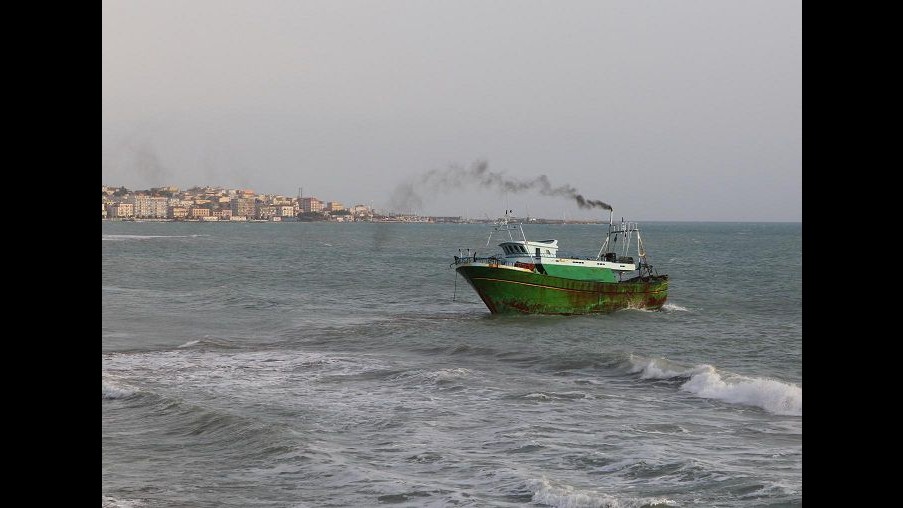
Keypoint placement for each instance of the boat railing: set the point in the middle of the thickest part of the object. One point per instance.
(470, 256)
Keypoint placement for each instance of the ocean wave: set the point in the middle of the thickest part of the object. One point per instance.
(769, 489)
(565, 496)
(672, 307)
(448, 375)
(659, 428)
(110, 390)
(112, 502)
(208, 342)
(544, 396)
(657, 368)
(439, 377)
(618, 465)
(705, 381)
(769, 394)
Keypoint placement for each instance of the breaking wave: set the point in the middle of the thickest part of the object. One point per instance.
(705, 381)
(110, 391)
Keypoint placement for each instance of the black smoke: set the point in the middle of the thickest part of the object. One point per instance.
(458, 177)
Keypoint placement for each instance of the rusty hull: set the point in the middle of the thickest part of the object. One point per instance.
(506, 291)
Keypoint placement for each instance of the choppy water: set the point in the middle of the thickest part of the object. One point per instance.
(312, 364)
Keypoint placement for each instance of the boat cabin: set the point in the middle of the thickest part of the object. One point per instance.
(530, 248)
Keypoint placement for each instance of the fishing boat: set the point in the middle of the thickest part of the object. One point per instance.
(529, 277)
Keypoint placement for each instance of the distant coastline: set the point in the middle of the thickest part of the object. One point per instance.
(377, 219)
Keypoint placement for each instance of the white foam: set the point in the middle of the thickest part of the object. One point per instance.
(769, 394)
(705, 381)
(251, 374)
(659, 368)
(445, 375)
(565, 496)
(110, 390)
(555, 396)
(672, 307)
(112, 502)
(440, 376)
(630, 308)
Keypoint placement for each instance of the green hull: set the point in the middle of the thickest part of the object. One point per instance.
(506, 291)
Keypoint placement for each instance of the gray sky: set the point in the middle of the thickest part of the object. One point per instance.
(683, 110)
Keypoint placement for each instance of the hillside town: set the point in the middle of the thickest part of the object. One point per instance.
(208, 204)
(214, 204)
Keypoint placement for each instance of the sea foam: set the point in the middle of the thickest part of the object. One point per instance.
(705, 381)
(772, 395)
(441, 376)
(112, 502)
(110, 390)
(565, 496)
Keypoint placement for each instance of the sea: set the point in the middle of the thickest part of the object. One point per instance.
(348, 365)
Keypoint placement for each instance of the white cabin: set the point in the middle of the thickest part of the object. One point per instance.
(530, 249)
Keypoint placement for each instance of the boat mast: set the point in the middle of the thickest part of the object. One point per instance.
(507, 211)
(502, 225)
(520, 226)
(611, 214)
(627, 237)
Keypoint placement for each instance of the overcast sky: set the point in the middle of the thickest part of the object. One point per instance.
(686, 110)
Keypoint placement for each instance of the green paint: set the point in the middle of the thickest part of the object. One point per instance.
(511, 291)
(581, 272)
